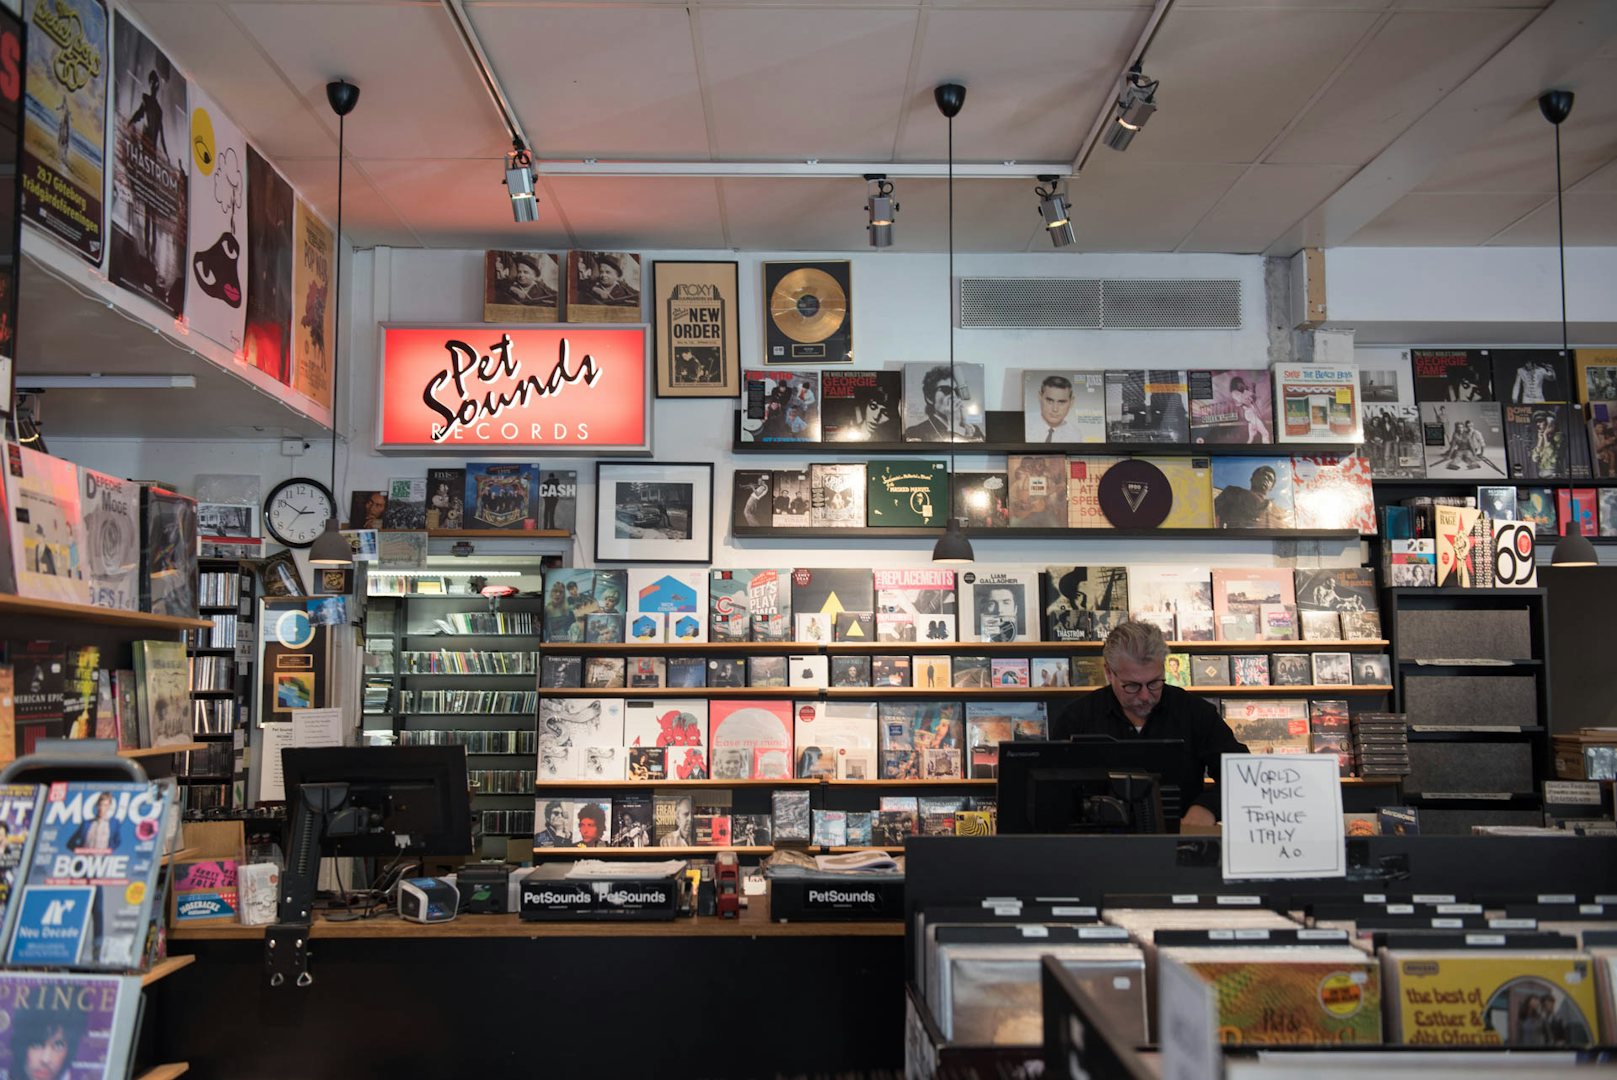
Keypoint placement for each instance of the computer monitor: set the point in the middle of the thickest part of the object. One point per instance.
(383, 800)
(1092, 784)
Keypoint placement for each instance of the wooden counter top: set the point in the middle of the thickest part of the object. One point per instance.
(753, 922)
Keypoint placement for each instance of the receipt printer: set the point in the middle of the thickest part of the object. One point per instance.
(428, 899)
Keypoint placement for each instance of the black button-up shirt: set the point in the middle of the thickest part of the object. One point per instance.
(1178, 715)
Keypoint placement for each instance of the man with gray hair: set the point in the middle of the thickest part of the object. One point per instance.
(1137, 703)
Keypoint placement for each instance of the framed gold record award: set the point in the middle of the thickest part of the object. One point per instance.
(808, 313)
(698, 329)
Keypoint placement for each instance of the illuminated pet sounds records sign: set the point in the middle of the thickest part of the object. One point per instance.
(464, 388)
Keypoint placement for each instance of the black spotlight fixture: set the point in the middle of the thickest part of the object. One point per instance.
(952, 547)
(330, 549)
(1053, 209)
(1134, 108)
(881, 208)
(519, 183)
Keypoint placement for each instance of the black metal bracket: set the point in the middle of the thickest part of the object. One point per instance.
(286, 955)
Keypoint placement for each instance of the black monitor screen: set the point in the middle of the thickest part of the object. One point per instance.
(1090, 784)
(416, 797)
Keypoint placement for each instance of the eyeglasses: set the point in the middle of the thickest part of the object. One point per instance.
(1135, 687)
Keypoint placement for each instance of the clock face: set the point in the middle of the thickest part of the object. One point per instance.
(297, 510)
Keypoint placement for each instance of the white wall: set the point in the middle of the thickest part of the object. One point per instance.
(900, 314)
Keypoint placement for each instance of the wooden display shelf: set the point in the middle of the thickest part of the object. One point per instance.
(166, 1072)
(571, 785)
(182, 854)
(681, 692)
(642, 852)
(673, 648)
(964, 648)
(1473, 481)
(494, 534)
(161, 751)
(855, 532)
(164, 968)
(57, 609)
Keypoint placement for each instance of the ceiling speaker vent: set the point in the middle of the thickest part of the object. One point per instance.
(1100, 304)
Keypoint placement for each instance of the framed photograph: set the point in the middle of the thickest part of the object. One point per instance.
(278, 576)
(698, 329)
(603, 287)
(294, 690)
(330, 581)
(521, 286)
(654, 512)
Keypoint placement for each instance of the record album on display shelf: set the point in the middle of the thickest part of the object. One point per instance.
(695, 312)
(808, 313)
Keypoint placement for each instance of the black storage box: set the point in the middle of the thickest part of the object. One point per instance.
(546, 894)
(484, 887)
(836, 898)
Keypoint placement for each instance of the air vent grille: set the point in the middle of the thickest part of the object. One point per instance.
(1100, 304)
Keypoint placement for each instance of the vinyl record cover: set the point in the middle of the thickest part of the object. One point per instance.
(792, 495)
(808, 312)
(1531, 376)
(1191, 481)
(1452, 375)
(1595, 374)
(168, 547)
(862, 406)
(667, 605)
(567, 726)
(1583, 516)
(521, 287)
(1147, 407)
(915, 604)
(982, 500)
(1536, 441)
(678, 726)
(1253, 493)
(1247, 592)
(1332, 491)
(501, 496)
(1076, 600)
(1064, 406)
(1170, 588)
(1278, 997)
(1394, 441)
(1268, 725)
(111, 509)
(572, 596)
(830, 733)
(1230, 406)
(1347, 589)
(48, 539)
(446, 499)
(999, 605)
(1315, 403)
(1038, 491)
(938, 403)
(314, 254)
(750, 740)
(906, 493)
(1456, 555)
(150, 176)
(64, 123)
(1464, 440)
(271, 252)
(1084, 475)
(1493, 998)
(837, 495)
(769, 671)
(832, 591)
(1536, 505)
(406, 503)
(217, 250)
(603, 287)
(778, 405)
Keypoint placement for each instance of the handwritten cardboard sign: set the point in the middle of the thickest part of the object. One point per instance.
(1282, 816)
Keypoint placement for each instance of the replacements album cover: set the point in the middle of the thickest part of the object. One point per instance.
(1064, 406)
(1463, 439)
(521, 287)
(944, 406)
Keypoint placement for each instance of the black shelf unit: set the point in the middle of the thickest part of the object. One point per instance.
(412, 630)
(771, 532)
(1454, 767)
(240, 692)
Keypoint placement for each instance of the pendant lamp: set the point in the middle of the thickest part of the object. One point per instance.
(952, 547)
(1573, 548)
(330, 548)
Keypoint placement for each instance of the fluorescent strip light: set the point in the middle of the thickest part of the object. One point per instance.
(106, 382)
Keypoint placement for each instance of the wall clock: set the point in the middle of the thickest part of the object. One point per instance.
(296, 511)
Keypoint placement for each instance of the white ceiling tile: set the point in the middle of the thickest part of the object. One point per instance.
(806, 83)
(1263, 204)
(367, 219)
(796, 215)
(1414, 60)
(1033, 79)
(1591, 220)
(420, 94)
(1424, 220)
(1602, 181)
(1294, 5)
(598, 81)
(213, 49)
(1231, 80)
(1129, 204)
(627, 213)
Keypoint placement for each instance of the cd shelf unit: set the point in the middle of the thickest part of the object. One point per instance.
(221, 682)
(1471, 671)
(409, 651)
(754, 796)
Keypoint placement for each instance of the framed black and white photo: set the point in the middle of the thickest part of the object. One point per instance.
(654, 512)
(698, 329)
